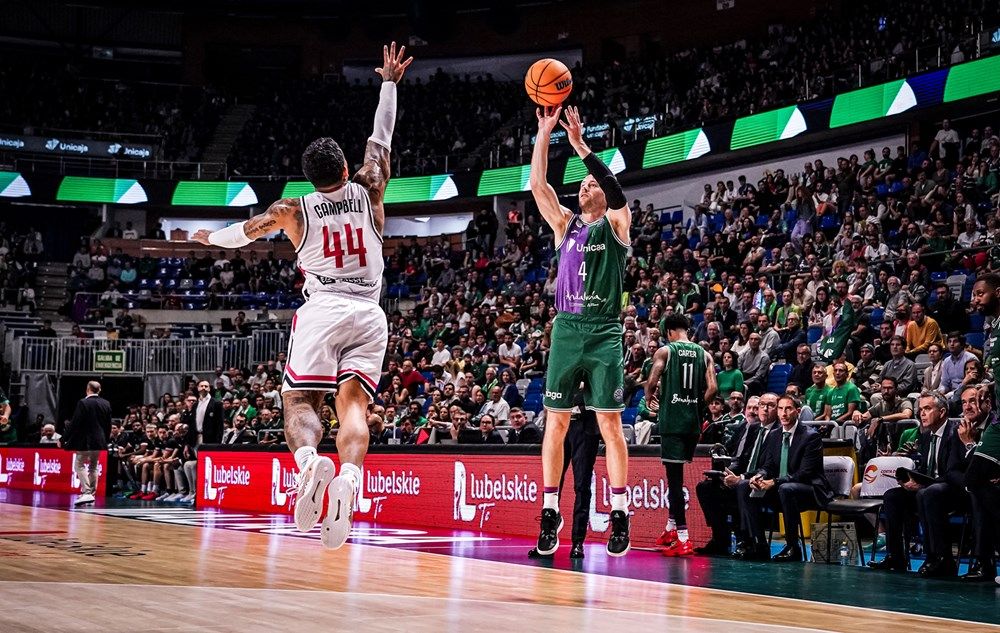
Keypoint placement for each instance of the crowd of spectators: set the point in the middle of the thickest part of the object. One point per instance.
(462, 122)
(117, 280)
(20, 253)
(54, 98)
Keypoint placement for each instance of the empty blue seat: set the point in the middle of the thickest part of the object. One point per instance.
(976, 339)
(814, 334)
(976, 322)
(939, 276)
(878, 314)
(629, 415)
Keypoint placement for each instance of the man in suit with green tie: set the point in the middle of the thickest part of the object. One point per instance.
(791, 478)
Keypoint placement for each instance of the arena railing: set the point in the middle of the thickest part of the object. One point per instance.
(143, 357)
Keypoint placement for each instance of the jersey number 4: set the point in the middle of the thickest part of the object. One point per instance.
(353, 247)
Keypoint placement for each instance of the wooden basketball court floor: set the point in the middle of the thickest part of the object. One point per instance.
(177, 569)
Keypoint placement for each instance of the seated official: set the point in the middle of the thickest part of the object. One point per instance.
(716, 496)
(239, 433)
(487, 433)
(522, 431)
(791, 480)
(984, 492)
(941, 455)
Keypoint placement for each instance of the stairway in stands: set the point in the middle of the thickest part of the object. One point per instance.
(51, 293)
(218, 149)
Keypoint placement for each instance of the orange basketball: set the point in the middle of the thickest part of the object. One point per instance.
(548, 82)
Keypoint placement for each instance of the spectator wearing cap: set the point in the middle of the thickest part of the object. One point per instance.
(921, 331)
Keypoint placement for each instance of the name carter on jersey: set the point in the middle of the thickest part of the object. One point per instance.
(329, 207)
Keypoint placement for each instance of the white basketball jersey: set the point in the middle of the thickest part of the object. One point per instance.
(341, 251)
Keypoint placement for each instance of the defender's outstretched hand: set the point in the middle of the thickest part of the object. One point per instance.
(393, 64)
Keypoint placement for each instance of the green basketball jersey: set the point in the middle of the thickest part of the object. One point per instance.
(591, 265)
(682, 389)
(991, 355)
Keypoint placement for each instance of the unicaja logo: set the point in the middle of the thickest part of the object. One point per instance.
(283, 485)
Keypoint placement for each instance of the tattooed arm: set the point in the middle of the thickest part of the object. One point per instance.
(283, 214)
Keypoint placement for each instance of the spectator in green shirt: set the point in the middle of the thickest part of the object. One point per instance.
(730, 379)
(818, 394)
(845, 398)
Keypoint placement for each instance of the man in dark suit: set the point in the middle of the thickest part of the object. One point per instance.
(522, 431)
(802, 367)
(208, 420)
(791, 479)
(716, 496)
(239, 434)
(942, 456)
(87, 434)
(487, 428)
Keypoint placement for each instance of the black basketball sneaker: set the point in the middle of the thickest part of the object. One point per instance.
(618, 544)
(548, 537)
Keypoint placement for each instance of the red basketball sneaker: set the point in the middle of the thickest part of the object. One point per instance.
(668, 538)
(678, 548)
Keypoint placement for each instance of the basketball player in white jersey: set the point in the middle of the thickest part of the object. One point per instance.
(339, 335)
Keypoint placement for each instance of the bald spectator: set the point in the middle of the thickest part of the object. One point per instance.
(754, 364)
(496, 406)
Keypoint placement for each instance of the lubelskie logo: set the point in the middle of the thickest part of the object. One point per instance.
(484, 492)
(284, 485)
(646, 494)
(381, 487)
(44, 468)
(225, 475)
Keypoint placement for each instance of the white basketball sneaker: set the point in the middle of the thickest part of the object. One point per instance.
(84, 498)
(337, 524)
(313, 482)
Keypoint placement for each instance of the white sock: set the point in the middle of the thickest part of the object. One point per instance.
(353, 474)
(550, 500)
(671, 525)
(619, 501)
(682, 535)
(304, 455)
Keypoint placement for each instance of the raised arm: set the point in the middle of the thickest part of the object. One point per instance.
(285, 214)
(619, 214)
(374, 172)
(554, 214)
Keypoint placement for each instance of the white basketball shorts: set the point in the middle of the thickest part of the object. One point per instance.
(336, 338)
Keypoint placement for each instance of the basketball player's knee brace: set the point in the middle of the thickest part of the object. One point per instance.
(385, 115)
(233, 236)
(606, 180)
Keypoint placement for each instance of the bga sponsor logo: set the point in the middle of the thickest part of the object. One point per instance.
(555, 395)
(477, 495)
(284, 485)
(377, 487)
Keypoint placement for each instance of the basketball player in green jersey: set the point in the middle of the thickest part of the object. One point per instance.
(681, 383)
(587, 330)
